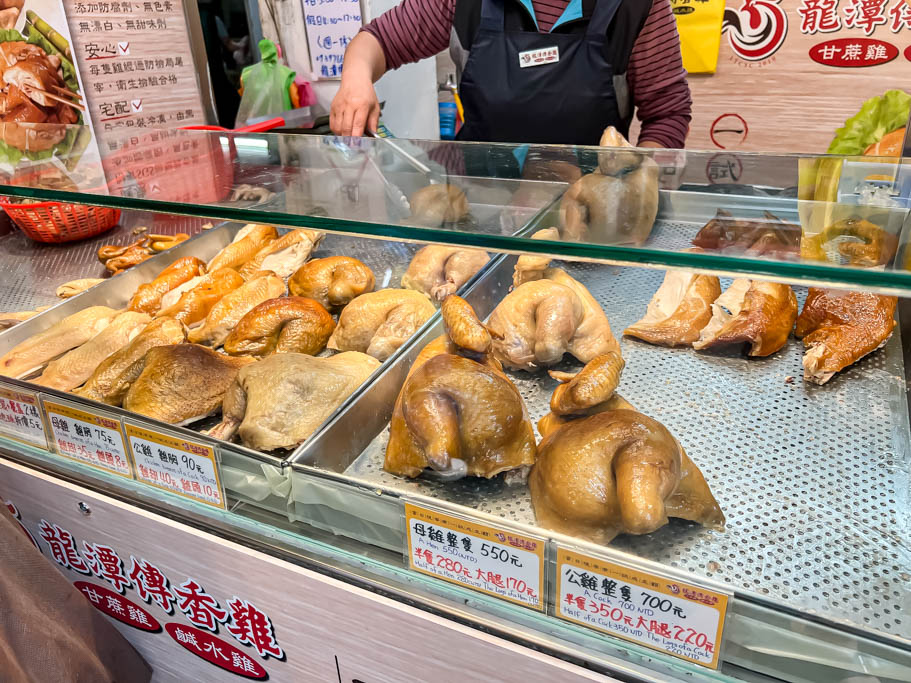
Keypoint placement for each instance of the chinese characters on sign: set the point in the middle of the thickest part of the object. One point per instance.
(500, 563)
(239, 618)
(20, 418)
(177, 465)
(331, 24)
(665, 615)
(90, 439)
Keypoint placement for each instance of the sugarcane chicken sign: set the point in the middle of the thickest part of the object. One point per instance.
(792, 73)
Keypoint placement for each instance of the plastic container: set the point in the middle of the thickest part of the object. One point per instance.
(448, 113)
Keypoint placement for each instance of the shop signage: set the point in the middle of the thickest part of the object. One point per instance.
(664, 614)
(331, 24)
(495, 561)
(175, 464)
(94, 440)
(20, 417)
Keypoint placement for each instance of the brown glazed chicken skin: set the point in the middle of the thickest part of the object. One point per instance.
(224, 316)
(439, 270)
(839, 328)
(290, 324)
(333, 281)
(196, 303)
(147, 298)
(246, 244)
(678, 311)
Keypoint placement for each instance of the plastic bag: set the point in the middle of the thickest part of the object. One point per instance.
(699, 26)
(266, 86)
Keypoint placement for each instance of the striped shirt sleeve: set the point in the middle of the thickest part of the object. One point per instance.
(413, 30)
(657, 80)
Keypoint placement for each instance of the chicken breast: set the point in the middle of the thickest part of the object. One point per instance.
(678, 311)
(73, 369)
(74, 330)
(284, 255)
(195, 304)
(246, 244)
(225, 315)
(438, 270)
(148, 297)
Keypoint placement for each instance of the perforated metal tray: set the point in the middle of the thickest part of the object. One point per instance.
(814, 481)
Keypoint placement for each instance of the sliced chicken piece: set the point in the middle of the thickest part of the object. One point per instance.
(284, 255)
(281, 400)
(74, 368)
(195, 304)
(111, 379)
(334, 281)
(148, 297)
(378, 323)
(182, 383)
(678, 311)
(37, 351)
(839, 328)
(290, 324)
(245, 246)
(753, 312)
(438, 270)
(225, 315)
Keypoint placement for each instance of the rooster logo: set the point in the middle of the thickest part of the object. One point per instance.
(756, 30)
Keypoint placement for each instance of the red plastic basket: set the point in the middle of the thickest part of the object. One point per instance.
(58, 222)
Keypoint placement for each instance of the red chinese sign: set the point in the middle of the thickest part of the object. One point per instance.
(853, 52)
(118, 607)
(216, 651)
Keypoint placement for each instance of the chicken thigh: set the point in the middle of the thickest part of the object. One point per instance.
(287, 324)
(439, 270)
(333, 281)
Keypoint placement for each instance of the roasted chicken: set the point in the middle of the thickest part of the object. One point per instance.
(244, 247)
(109, 381)
(290, 324)
(769, 236)
(179, 384)
(678, 311)
(333, 281)
(458, 416)
(37, 351)
(752, 312)
(224, 316)
(147, 298)
(74, 368)
(439, 270)
(281, 400)
(839, 328)
(436, 205)
(378, 323)
(284, 255)
(196, 303)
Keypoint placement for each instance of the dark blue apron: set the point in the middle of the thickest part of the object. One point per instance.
(570, 101)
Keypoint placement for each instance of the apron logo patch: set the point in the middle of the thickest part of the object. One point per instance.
(544, 55)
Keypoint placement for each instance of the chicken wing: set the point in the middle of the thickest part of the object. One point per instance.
(147, 298)
(333, 281)
(440, 270)
(225, 315)
(839, 328)
(290, 324)
(678, 311)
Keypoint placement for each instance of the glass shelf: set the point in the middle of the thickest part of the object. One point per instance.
(816, 220)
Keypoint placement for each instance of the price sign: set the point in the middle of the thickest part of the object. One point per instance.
(20, 417)
(501, 563)
(683, 620)
(176, 465)
(91, 439)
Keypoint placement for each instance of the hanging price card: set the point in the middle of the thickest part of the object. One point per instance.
(501, 563)
(169, 462)
(20, 417)
(88, 438)
(663, 614)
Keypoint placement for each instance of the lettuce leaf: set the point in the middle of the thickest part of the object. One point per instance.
(878, 116)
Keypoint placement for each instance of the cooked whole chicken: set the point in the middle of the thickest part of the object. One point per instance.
(74, 330)
(289, 324)
(839, 328)
(147, 298)
(281, 400)
(284, 255)
(74, 368)
(678, 311)
(246, 244)
(439, 270)
(751, 312)
(106, 384)
(333, 281)
(603, 468)
(179, 384)
(616, 204)
(224, 316)
(457, 416)
(378, 323)
(196, 303)
(435, 205)
(540, 320)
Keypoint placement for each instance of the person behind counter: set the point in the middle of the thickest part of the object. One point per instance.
(610, 56)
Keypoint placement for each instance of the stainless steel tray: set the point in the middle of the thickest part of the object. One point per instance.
(814, 481)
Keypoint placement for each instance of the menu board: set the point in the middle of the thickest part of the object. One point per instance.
(136, 61)
(331, 24)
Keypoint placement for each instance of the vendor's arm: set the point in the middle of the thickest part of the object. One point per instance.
(657, 81)
(407, 33)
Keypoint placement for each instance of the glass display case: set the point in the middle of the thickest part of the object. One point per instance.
(614, 398)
